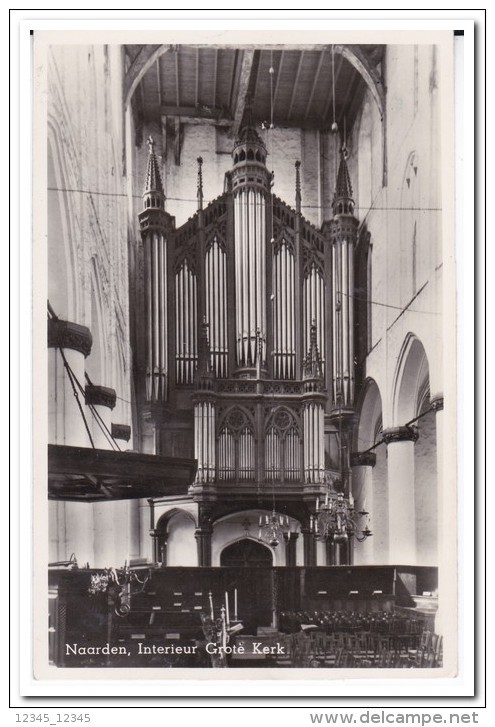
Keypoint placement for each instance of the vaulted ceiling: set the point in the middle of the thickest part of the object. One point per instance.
(210, 84)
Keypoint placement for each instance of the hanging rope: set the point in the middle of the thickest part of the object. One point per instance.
(106, 431)
(72, 380)
(75, 383)
(333, 87)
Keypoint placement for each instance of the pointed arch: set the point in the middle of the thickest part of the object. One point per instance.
(144, 59)
(246, 551)
(360, 62)
(410, 378)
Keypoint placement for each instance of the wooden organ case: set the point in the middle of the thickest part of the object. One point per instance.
(244, 343)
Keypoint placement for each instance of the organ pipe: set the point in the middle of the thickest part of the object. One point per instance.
(343, 323)
(343, 231)
(155, 224)
(155, 260)
(216, 307)
(272, 455)
(204, 441)
(186, 324)
(284, 353)
(246, 455)
(250, 274)
(226, 455)
(314, 450)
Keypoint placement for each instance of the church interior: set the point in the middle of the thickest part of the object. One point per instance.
(245, 370)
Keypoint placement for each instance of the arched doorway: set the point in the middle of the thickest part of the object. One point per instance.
(246, 553)
(254, 582)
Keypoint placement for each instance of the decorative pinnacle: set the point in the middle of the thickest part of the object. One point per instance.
(312, 363)
(343, 187)
(259, 352)
(200, 182)
(203, 372)
(298, 186)
(153, 179)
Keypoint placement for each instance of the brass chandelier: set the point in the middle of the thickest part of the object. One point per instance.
(337, 520)
(272, 528)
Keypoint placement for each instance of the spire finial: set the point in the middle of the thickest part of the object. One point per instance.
(200, 183)
(259, 353)
(342, 199)
(204, 373)
(312, 366)
(153, 186)
(298, 186)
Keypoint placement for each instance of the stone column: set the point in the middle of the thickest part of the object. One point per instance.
(402, 521)
(107, 516)
(330, 551)
(362, 464)
(68, 343)
(70, 524)
(203, 537)
(309, 545)
(122, 432)
(446, 585)
(290, 549)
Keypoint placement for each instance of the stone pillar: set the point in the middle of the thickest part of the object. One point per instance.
(123, 432)
(203, 537)
(309, 546)
(446, 584)
(330, 552)
(290, 549)
(402, 522)
(70, 523)
(107, 516)
(68, 343)
(159, 540)
(362, 464)
(140, 541)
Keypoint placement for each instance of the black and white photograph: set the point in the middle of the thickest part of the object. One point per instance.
(246, 423)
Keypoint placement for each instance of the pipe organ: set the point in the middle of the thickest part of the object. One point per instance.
(314, 309)
(268, 371)
(186, 324)
(343, 238)
(155, 228)
(216, 306)
(284, 313)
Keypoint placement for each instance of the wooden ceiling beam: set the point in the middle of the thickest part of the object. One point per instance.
(158, 82)
(242, 89)
(315, 81)
(330, 97)
(357, 58)
(177, 79)
(196, 92)
(215, 72)
(298, 73)
(142, 62)
(277, 83)
(197, 114)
